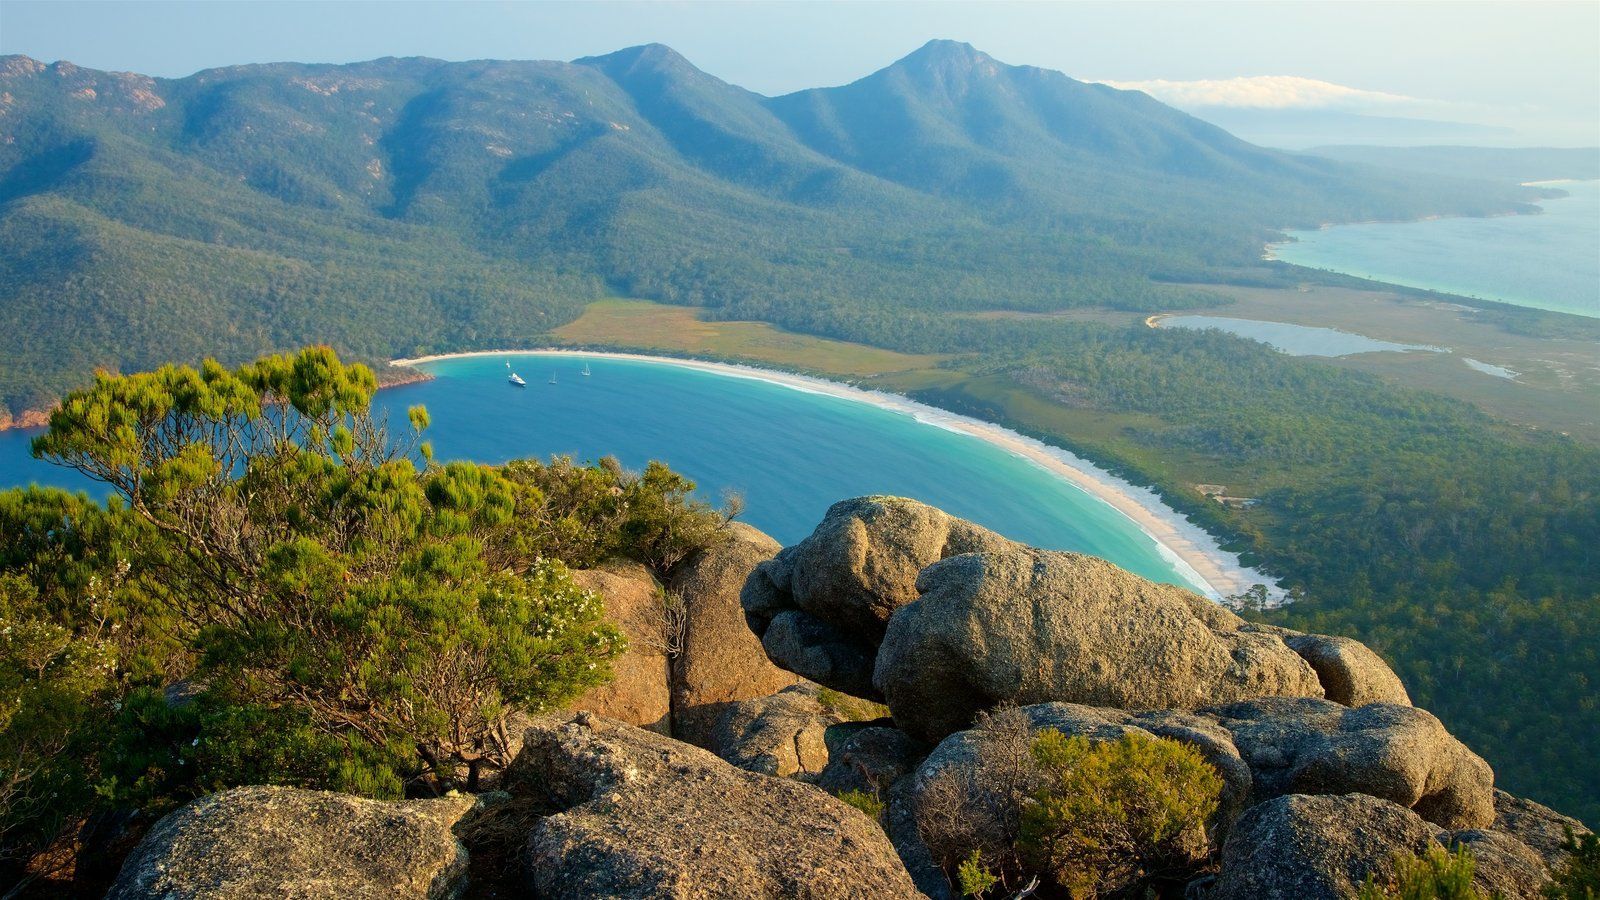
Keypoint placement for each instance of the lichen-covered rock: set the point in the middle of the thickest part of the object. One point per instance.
(1350, 672)
(1299, 847)
(1502, 865)
(273, 842)
(647, 816)
(639, 692)
(1541, 828)
(1398, 753)
(1025, 626)
(783, 735)
(831, 595)
(872, 760)
(721, 660)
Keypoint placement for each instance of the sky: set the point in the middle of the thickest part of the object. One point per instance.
(1530, 69)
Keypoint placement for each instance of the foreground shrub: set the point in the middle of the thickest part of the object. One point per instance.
(55, 688)
(1434, 875)
(976, 810)
(1118, 814)
(867, 802)
(582, 515)
(1579, 877)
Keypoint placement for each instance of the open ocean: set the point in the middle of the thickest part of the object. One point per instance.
(1549, 261)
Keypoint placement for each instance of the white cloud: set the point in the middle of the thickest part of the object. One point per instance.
(1267, 92)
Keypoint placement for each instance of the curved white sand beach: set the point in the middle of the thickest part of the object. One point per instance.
(1194, 553)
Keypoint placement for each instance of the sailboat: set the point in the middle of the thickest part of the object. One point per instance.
(552, 378)
(514, 378)
(586, 370)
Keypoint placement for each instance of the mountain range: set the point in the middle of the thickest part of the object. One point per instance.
(410, 205)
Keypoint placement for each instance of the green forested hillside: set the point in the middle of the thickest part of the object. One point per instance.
(407, 204)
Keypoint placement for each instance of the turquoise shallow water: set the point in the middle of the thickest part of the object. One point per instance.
(791, 453)
(1549, 261)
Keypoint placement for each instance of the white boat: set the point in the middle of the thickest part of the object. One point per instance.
(586, 370)
(552, 378)
(516, 379)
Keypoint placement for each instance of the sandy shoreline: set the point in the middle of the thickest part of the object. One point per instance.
(1193, 552)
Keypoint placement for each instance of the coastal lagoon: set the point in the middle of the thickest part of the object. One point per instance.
(1295, 340)
(790, 451)
(1548, 261)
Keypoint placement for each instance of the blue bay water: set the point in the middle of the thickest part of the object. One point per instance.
(789, 452)
(1549, 261)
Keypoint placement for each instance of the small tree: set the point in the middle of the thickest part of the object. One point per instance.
(1115, 815)
(314, 569)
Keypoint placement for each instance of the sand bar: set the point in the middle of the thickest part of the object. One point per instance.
(1193, 552)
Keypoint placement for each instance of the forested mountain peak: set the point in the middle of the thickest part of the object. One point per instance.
(274, 197)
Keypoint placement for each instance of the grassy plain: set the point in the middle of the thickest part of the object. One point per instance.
(644, 325)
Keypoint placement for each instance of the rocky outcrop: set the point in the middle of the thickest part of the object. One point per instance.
(1350, 672)
(721, 661)
(872, 759)
(1541, 828)
(892, 599)
(1502, 865)
(639, 692)
(646, 816)
(821, 606)
(783, 735)
(1299, 847)
(1397, 753)
(270, 842)
(1029, 626)
(1262, 749)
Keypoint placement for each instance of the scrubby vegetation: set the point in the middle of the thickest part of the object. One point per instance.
(1434, 875)
(283, 591)
(1117, 815)
(869, 803)
(1069, 816)
(1579, 878)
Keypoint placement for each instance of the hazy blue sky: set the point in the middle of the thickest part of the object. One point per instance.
(1529, 64)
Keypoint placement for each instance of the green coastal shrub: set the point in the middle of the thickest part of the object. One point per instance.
(314, 570)
(582, 515)
(1579, 877)
(1434, 875)
(973, 878)
(1115, 815)
(867, 802)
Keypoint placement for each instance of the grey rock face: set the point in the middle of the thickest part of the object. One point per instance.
(1502, 865)
(1541, 828)
(646, 816)
(1299, 847)
(781, 735)
(1030, 626)
(831, 595)
(1399, 753)
(272, 842)
(721, 660)
(1350, 672)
